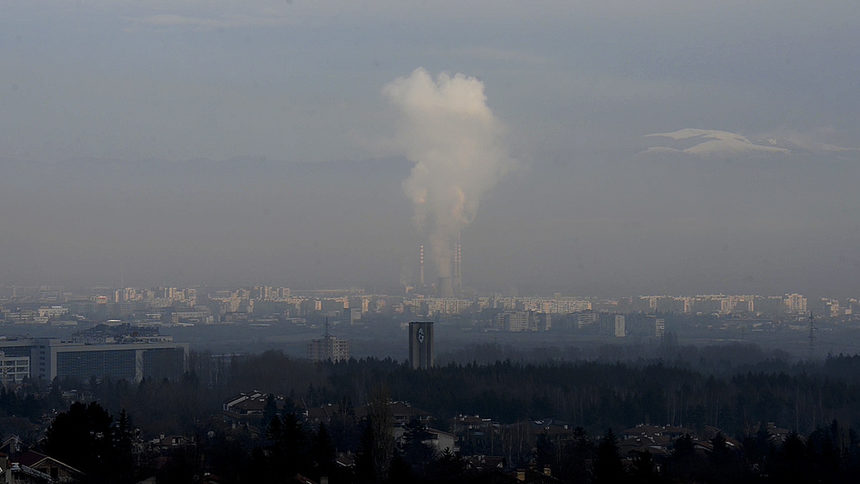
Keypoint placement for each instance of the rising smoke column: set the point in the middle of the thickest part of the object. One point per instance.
(452, 137)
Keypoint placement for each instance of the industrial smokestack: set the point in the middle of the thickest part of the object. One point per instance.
(420, 266)
(455, 143)
(458, 260)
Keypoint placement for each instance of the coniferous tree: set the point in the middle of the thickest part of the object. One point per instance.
(365, 463)
(270, 411)
(545, 452)
(83, 438)
(124, 453)
(323, 452)
(683, 463)
(644, 469)
(577, 453)
(414, 450)
(448, 467)
(608, 468)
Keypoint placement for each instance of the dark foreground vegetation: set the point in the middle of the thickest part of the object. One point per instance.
(769, 421)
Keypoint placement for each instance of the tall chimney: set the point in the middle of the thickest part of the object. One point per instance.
(420, 266)
(458, 264)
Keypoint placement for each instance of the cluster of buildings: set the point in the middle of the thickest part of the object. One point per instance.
(483, 443)
(267, 305)
(172, 305)
(421, 346)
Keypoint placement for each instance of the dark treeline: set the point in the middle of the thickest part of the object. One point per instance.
(600, 395)
(90, 439)
(829, 454)
(805, 398)
(592, 394)
(717, 359)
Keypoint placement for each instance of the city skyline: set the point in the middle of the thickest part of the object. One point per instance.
(355, 302)
(385, 241)
(368, 324)
(282, 291)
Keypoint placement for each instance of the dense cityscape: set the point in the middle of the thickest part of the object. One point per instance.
(326, 366)
(444, 242)
(771, 321)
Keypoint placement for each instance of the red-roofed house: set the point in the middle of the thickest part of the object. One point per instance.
(45, 465)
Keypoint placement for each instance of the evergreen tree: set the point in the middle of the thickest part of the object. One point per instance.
(377, 443)
(578, 452)
(323, 452)
(414, 450)
(683, 463)
(83, 438)
(449, 467)
(791, 463)
(270, 411)
(608, 468)
(123, 442)
(644, 469)
(723, 461)
(365, 463)
(545, 452)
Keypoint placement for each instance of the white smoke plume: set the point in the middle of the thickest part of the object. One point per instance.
(455, 142)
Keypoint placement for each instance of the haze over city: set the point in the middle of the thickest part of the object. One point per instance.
(385, 242)
(678, 147)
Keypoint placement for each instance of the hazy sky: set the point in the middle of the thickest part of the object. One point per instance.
(232, 142)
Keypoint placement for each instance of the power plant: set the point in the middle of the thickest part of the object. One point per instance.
(457, 148)
(448, 283)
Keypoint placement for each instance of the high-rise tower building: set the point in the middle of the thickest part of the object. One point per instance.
(620, 329)
(795, 303)
(328, 348)
(421, 345)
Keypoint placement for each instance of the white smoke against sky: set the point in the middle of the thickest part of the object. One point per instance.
(456, 145)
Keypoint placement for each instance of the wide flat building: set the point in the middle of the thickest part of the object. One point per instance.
(132, 360)
(123, 361)
(421, 345)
